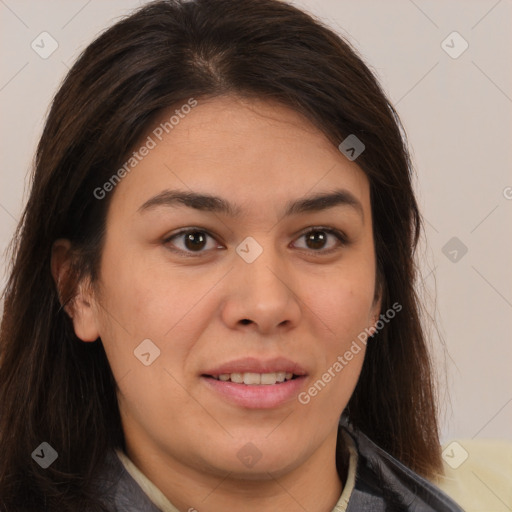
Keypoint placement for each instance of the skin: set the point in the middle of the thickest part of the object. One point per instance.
(302, 303)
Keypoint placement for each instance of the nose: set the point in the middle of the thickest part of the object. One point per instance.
(262, 295)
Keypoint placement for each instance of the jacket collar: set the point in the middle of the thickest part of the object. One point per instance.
(383, 483)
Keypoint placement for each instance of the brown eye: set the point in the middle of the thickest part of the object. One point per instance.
(318, 238)
(191, 241)
(195, 240)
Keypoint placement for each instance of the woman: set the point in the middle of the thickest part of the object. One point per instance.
(214, 266)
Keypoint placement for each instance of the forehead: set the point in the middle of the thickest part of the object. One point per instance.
(251, 151)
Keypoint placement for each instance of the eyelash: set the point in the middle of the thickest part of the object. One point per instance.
(339, 235)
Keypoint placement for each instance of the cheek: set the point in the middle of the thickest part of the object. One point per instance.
(148, 297)
(343, 294)
(141, 305)
(345, 306)
(343, 310)
(147, 300)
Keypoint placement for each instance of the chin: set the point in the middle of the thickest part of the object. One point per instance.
(247, 462)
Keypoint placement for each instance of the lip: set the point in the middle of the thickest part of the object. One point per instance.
(262, 396)
(255, 365)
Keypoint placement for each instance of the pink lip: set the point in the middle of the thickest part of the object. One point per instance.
(254, 365)
(263, 396)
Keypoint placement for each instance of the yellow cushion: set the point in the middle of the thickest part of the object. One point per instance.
(478, 474)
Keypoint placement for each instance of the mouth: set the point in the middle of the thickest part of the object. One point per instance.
(255, 379)
(253, 383)
(251, 390)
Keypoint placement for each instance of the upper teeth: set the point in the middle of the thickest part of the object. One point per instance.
(255, 378)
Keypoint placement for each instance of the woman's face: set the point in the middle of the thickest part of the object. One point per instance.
(259, 286)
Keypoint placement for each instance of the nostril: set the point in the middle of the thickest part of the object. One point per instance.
(245, 321)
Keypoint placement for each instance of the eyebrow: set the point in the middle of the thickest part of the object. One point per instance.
(211, 203)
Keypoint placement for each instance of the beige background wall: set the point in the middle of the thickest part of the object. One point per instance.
(458, 116)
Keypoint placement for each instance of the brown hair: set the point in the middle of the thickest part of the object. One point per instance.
(57, 389)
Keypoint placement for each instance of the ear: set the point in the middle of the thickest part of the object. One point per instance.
(81, 307)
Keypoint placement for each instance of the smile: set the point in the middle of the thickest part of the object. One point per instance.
(251, 393)
(252, 379)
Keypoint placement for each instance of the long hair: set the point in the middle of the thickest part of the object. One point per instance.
(55, 388)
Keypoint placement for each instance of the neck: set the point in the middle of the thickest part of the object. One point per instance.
(313, 485)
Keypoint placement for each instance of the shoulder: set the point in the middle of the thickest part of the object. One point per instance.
(478, 474)
(384, 483)
(117, 489)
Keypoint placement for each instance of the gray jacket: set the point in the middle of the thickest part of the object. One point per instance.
(382, 484)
